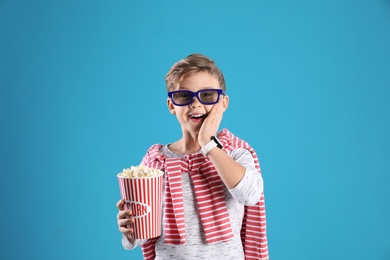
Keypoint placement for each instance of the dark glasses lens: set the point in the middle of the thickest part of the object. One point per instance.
(185, 97)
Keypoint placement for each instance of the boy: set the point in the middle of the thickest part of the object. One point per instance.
(213, 203)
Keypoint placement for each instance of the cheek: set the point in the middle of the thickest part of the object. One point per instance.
(208, 108)
(179, 111)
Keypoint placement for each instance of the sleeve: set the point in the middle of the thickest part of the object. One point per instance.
(248, 191)
(128, 245)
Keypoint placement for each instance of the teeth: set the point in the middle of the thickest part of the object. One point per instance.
(196, 116)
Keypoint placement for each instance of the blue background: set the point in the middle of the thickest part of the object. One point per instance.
(83, 96)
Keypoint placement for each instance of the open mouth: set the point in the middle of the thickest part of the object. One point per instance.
(197, 116)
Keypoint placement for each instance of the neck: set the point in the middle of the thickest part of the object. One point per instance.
(186, 145)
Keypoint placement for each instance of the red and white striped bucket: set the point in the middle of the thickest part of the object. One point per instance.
(144, 197)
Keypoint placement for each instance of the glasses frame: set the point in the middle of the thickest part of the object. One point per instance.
(195, 94)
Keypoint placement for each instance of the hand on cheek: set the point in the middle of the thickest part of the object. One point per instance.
(211, 123)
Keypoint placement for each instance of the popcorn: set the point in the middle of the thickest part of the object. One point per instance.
(140, 172)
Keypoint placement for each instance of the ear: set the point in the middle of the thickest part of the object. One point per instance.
(171, 107)
(225, 102)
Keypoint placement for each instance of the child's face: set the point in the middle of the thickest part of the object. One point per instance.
(192, 116)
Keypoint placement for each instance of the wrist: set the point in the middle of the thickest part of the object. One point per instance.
(213, 143)
(203, 142)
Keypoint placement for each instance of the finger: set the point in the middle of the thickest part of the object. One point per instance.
(216, 112)
(220, 104)
(125, 227)
(125, 222)
(126, 230)
(120, 204)
(217, 108)
(124, 214)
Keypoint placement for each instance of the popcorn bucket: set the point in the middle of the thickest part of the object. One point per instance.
(144, 197)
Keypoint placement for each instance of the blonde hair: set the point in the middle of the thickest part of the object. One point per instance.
(188, 66)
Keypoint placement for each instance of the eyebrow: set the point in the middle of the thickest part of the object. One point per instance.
(199, 89)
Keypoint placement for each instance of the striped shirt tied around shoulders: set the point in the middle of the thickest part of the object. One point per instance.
(210, 200)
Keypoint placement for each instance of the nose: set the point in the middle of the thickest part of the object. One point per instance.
(195, 102)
